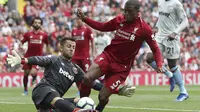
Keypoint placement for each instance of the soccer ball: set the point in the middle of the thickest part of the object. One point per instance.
(85, 103)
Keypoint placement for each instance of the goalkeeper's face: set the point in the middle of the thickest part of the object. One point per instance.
(68, 49)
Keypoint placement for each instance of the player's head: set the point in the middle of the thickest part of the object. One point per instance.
(79, 22)
(67, 47)
(131, 10)
(37, 23)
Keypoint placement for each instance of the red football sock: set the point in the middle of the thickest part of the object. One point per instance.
(25, 81)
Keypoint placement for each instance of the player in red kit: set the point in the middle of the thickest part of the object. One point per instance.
(117, 58)
(84, 44)
(36, 40)
(83, 36)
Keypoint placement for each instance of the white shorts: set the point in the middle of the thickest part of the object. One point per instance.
(169, 49)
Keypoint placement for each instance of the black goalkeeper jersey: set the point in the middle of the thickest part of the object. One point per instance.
(59, 73)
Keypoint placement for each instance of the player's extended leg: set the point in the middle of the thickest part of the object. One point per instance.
(104, 95)
(93, 73)
(150, 60)
(25, 82)
(84, 90)
(61, 104)
(179, 79)
(71, 100)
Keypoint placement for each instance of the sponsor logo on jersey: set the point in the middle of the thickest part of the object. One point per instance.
(164, 14)
(35, 41)
(66, 74)
(123, 34)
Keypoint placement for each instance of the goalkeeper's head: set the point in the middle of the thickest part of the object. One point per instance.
(67, 47)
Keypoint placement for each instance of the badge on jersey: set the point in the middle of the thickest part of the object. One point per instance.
(135, 30)
(75, 70)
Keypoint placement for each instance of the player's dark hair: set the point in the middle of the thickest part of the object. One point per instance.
(64, 39)
(38, 19)
(135, 3)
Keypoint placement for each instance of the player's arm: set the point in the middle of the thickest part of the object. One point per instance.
(15, 59)
(182, 17)
(38, 60)
(149, 38)
(101, 26)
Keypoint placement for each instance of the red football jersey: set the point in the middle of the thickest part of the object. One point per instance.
(35, 43)
(128, 38)
(83, 37)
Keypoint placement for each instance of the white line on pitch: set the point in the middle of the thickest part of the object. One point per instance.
(155, 109)
(118, 107)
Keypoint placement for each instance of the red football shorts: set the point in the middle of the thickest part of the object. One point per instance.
(115, 73)
(29, 67)
(83, 63)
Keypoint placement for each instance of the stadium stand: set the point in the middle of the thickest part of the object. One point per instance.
(59, 16)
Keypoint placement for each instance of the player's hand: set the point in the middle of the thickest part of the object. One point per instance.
(160, 70)
(172, 36)
(13, 59)
(80, 14)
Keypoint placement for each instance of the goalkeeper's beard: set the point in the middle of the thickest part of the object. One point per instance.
(67, 56)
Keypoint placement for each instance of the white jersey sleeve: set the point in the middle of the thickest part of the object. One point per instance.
(182, 17)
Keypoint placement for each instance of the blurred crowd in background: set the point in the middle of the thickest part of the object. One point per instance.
(59, 19)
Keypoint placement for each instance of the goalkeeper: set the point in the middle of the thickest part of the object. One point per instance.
(60, 73)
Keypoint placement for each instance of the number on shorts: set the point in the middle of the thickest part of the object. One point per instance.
(170, 50)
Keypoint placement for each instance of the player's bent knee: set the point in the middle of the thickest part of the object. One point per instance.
(88, 80)
(56, 99)
(149, 58)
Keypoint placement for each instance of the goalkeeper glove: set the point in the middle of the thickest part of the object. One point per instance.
(14, 59)
(126, 90)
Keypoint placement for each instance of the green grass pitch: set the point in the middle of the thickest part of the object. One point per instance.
(146, 99)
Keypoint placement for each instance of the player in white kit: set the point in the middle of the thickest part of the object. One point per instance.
(101, 41)
(172, 20)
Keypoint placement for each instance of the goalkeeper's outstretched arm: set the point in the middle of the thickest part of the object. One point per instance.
(15, 59)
